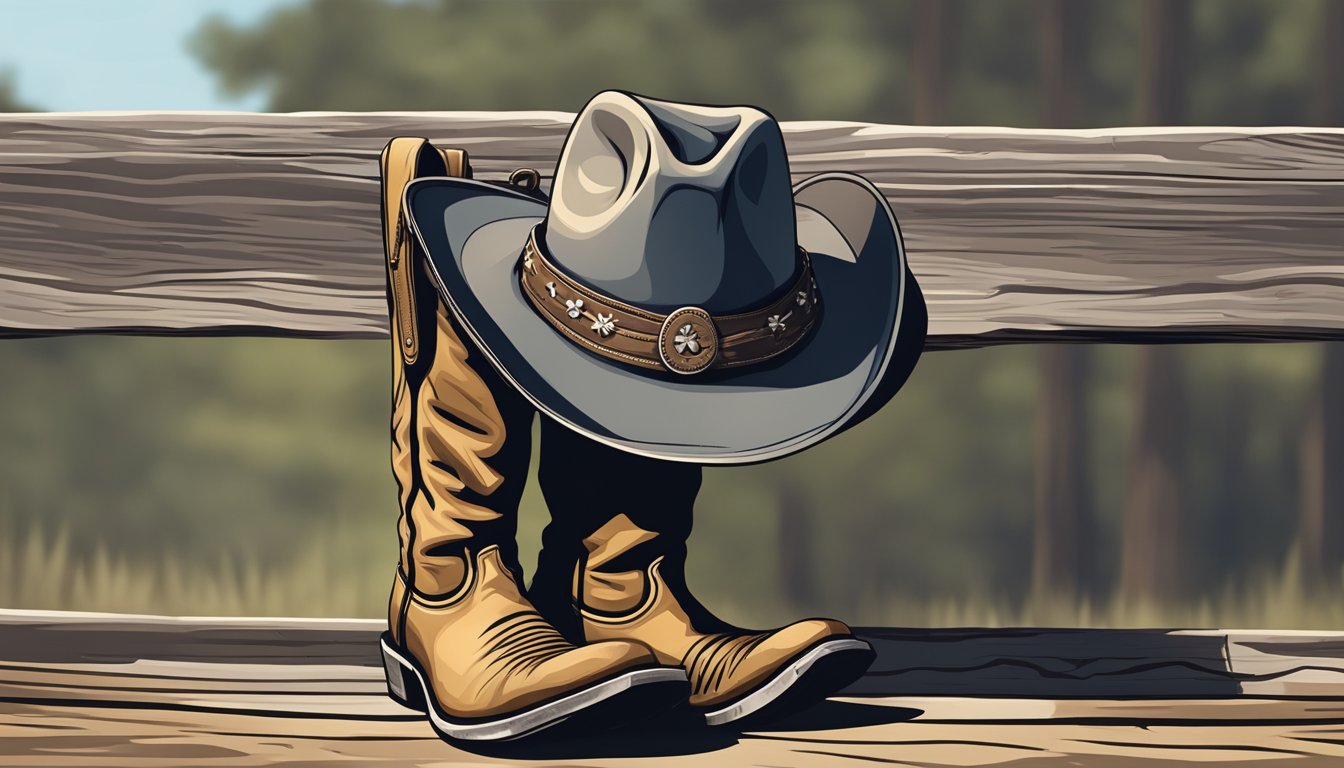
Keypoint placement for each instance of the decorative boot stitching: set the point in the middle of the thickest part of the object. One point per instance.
(447, 599)
(519, 643)
(714, 658)
(652, 592)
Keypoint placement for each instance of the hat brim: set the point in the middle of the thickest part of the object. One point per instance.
(473, 233)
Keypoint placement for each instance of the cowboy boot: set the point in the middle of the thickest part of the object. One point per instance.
(463, 643)
(612, 567)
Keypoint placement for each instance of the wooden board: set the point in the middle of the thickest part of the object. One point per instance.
(47, 735)
(224, 223)
(102, 690)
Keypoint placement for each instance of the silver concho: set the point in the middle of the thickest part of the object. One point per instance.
(688, 341)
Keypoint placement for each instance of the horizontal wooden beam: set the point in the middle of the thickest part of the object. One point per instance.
(261, 224)
(103, 689)
(1017, 662)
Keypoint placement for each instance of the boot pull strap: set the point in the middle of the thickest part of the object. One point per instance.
(403, 159)
(528, 181)
(456, 162)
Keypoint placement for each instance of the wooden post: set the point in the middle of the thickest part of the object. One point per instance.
(1150, 563)
(1321, 530)
(1061, 533)
(932, 29)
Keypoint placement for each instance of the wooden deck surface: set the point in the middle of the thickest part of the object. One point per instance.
(105, 690)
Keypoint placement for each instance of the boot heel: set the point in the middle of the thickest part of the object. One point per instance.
(403, 684)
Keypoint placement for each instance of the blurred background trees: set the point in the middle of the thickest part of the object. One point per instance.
(1068, 484)
(9, 101)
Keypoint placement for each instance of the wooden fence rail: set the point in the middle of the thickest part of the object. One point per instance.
(254, 224)
(102, 689)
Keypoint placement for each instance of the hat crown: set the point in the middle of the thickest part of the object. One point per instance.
(665, 205)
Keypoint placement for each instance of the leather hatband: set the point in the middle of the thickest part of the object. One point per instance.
(687, 341)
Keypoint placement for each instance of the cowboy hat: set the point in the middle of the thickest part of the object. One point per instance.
(677, 297)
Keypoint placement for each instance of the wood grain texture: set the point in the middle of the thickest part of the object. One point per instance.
(243, 224)
(1021, 662)
(36, 734)
(102, 690)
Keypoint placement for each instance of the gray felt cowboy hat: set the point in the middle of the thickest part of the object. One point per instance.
(677, 297)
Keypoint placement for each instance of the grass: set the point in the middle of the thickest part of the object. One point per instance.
(333, 577)
(43, 571)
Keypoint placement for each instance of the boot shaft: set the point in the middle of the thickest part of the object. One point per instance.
(604, 536)
(461, 443)
(613, 568)
(460, 435)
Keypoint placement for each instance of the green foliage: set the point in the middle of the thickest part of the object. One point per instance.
(207, 448)
(9, 100)
(247, 475)
(839, 60)
(370, 55)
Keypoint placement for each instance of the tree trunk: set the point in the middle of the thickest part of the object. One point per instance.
(1150, 562)
(1166, 34)
(1321, 529)
(1061, 546)
(1329, 94)
(1061, 550)
(933, 39)
(1063, 43)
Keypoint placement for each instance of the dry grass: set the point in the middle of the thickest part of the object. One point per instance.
(1272, 600)
(38, 570)
(332, 577)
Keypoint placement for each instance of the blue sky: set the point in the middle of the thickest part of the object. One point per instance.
(75, 55)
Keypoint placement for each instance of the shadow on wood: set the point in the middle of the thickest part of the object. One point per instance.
(1050, 663)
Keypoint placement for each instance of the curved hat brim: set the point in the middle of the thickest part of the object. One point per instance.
(473, 233)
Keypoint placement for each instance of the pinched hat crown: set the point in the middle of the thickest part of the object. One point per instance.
(664, 205)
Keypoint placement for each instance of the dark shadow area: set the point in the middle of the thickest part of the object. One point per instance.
(678, 732)
(683, 732)
(834, 715)
(46, 641)
(1047, 663)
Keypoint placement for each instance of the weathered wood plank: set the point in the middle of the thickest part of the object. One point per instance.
(1056, 663)
(39, 734)
(102, 689)
(1018, 662)
(221, 223)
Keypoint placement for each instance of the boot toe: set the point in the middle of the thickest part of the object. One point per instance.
(809, 632)
(587, 665)
(767, 655)
(617, 655)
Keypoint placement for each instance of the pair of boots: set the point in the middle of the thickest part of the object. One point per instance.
(608, 630)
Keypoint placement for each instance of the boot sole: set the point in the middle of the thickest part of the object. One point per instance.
(815, 674)
(603, 705)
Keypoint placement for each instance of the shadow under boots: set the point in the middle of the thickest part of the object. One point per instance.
(681, 731)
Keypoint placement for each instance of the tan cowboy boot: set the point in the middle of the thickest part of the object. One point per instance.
(463, 643)
(611, 567)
